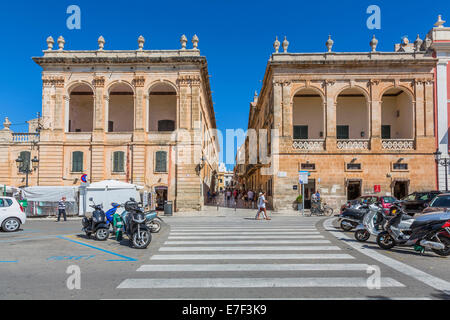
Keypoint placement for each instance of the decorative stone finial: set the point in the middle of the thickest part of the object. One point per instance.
(276, 45)
(405, 41)
(418, 43)
(6, 124)
(61, 43)
(50, 43)
(255, 97)
(440, 22)
(101, 43)
(374, 43)
(195, 41)
(427, 43)
(183, 41)
(141, 41)
(285, 45)
(329, 43)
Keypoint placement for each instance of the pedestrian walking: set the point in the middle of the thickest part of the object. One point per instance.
(250, 195)
(228, 197)
(262, 206)
(62, 209)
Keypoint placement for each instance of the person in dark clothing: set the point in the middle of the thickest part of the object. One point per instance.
(62, 209)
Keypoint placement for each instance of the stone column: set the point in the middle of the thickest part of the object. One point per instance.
(59, 105)
(330, 140)
(429, 108)
(184, 107)
(287, 110)
(375, 106)
(99, 107)
(139, 107)
(420, 108)
(277, 107)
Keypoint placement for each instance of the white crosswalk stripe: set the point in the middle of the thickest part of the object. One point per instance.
(217, 257)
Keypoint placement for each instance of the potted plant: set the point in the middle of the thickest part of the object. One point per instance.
(299, 201)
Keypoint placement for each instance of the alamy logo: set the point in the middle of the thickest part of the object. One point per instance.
(74, 20)
(374, 21)
(74, 280)
(374, 280)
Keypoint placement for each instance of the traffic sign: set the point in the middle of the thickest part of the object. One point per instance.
(303, 177)
(84, 178)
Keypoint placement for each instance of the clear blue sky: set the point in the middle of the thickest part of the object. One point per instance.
(235, 36)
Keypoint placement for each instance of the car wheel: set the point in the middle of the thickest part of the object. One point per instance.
(11, 225)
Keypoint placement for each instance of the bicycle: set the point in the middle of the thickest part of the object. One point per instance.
(320, 209)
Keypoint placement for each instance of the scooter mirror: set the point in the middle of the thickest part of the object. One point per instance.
(91, 199)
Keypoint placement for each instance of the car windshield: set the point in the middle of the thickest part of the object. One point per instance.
(389, 199)
(411, 197)
(441, 202)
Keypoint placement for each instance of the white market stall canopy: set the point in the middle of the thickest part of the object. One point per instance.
(50, 194)
(113, 184)
(108, 191)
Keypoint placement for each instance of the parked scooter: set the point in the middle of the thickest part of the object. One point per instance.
(427, 231)
(97, 224)
(110, 213)
(153, 222)
(372, 223)
(353, 216)
(134, 225)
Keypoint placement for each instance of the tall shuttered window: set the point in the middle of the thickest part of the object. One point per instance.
(25, 156)
(77, 161)
(161, 161)
(118, 161)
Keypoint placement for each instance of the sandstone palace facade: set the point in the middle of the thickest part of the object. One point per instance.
(359, 123)
(138, 116)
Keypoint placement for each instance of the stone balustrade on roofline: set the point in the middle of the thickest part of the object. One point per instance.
(25, 137)
(349, 57)
(121, 53)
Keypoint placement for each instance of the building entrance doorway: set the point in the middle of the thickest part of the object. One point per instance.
(310, 189)
(400, 189)
(161, 198)
(353, 189)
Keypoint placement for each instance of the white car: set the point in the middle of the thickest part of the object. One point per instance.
(11, 214)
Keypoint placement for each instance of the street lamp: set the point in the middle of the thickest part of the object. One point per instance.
(25, 166)
(445, 162)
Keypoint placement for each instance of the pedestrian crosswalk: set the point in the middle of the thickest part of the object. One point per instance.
(250, 261)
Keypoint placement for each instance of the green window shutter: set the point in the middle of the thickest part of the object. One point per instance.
(161, 161)
(119, 158)
(77, 161)
(342, 132)
(385, 132)
(25, 156)
(301, 132)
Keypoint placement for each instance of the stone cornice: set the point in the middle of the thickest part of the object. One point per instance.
(51, 81)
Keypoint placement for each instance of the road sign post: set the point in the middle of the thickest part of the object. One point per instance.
(303, 179)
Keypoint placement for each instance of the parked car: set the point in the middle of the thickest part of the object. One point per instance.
(12, 215)
(386, 201)
(417, 201)
(440, 203)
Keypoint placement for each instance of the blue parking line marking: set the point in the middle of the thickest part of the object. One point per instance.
(100, 249)
(9, 261)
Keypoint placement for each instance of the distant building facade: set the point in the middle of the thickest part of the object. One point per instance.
(139, 116)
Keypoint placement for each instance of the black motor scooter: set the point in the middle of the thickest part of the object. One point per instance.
(427, 231)
(97, 224)
(134, 225)
(352, 217)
